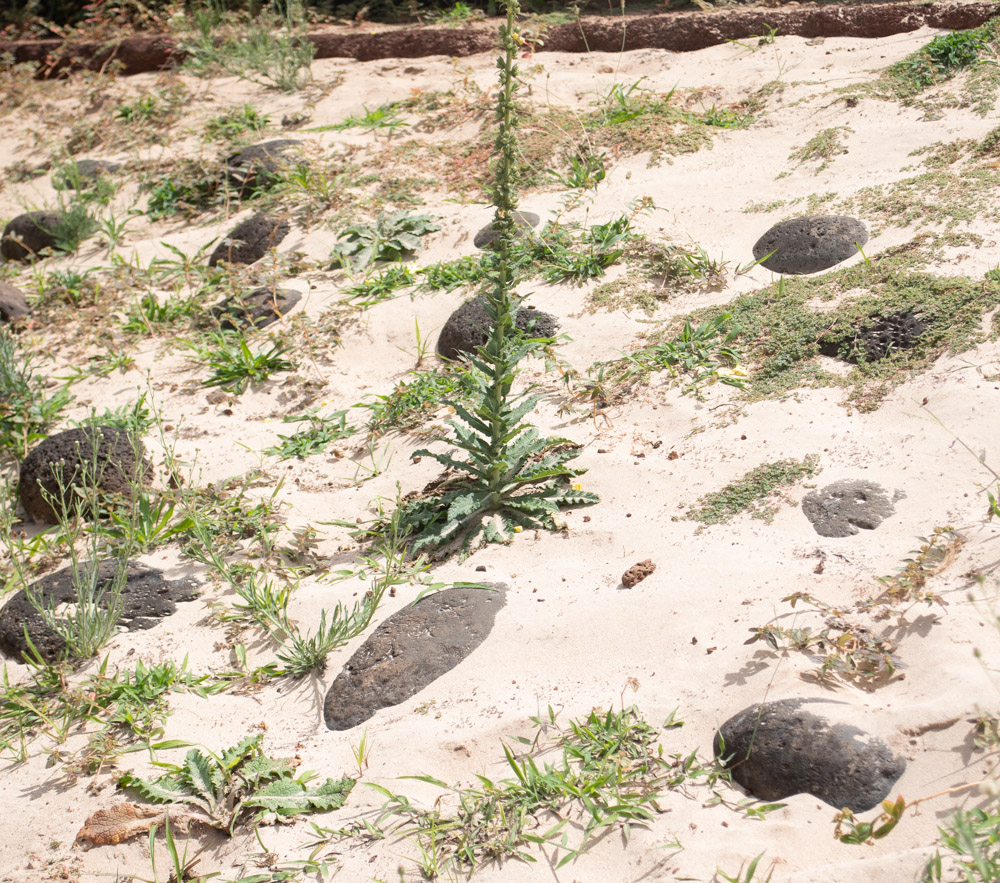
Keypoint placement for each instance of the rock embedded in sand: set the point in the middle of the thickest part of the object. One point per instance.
(13, 304)
(258, 165)
(146, 598)
(810, 245)
(69, 458)
(880, 337)
(27, 235)
(637, 573)
(468, 327)
(487, 236)
(410, 650)
(249, 241)
(779, 749)
(841, 508)
(259, 308)
(87, 172)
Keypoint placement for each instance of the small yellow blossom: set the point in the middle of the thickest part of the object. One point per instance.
(578, 487)
(518, 529)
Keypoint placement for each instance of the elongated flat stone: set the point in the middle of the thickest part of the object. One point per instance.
(410, 650)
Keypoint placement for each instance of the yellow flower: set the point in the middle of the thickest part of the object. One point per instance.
(518, 529)
(578, 487)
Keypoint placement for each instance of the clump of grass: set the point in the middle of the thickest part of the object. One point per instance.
(27, 409)
(236, 122)
(417, 398)
(751, 492)
(822, 148)
(606, 774)
(235, 366)
(271, 49)
(700, 354)
(128, 707)
(934, 63)
(190, 188)
(315, 438)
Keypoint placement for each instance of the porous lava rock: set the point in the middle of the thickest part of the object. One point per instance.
(257, 166)
(637, 573)
(810, 245)
(410, 650)
(878, 338)
(469, 327)
(487, 236)
(146, 598)
(779, 749)
(70, 457)
(257, 309)
(27, 235)
(13, 304)
(842, 508)
(249, 241)
(87, 172)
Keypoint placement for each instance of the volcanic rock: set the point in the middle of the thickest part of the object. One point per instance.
(487, 236)
(249, 241)
(779, 749)
(469, 327)
(410, 650)
(839, 509)
(27, 235)
(13, 304)
(69, 458)
(257, 166)
(257, 309)
(87, 172)
(146, 598)
(810, 245)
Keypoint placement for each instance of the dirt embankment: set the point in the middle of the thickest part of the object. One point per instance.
(677, 32)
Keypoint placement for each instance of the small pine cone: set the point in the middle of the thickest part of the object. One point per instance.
(637, 573)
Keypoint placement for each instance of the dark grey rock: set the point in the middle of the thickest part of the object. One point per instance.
(74, 449)
(410, 650)
(146, 598)
(839, 509)
(878, 338)
(469, 327)
(255, 167)
(779, 749)
(810, 245)
(257, 309)
(27, 235)
(13, 304)
(87, 172)
(487, 236)
(249, 241)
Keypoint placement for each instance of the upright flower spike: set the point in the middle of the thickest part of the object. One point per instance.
(511, 478)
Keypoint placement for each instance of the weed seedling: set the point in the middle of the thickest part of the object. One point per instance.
(235, 366)
(393, 237)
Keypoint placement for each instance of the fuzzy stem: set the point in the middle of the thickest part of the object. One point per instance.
(500, 300)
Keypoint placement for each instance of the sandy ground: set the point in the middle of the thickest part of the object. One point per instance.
(570, 635)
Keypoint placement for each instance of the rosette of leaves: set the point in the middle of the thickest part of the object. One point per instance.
(511, 478)
(393, 237)
(221, 790)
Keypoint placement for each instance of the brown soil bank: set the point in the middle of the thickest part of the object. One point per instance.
(677, 32)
